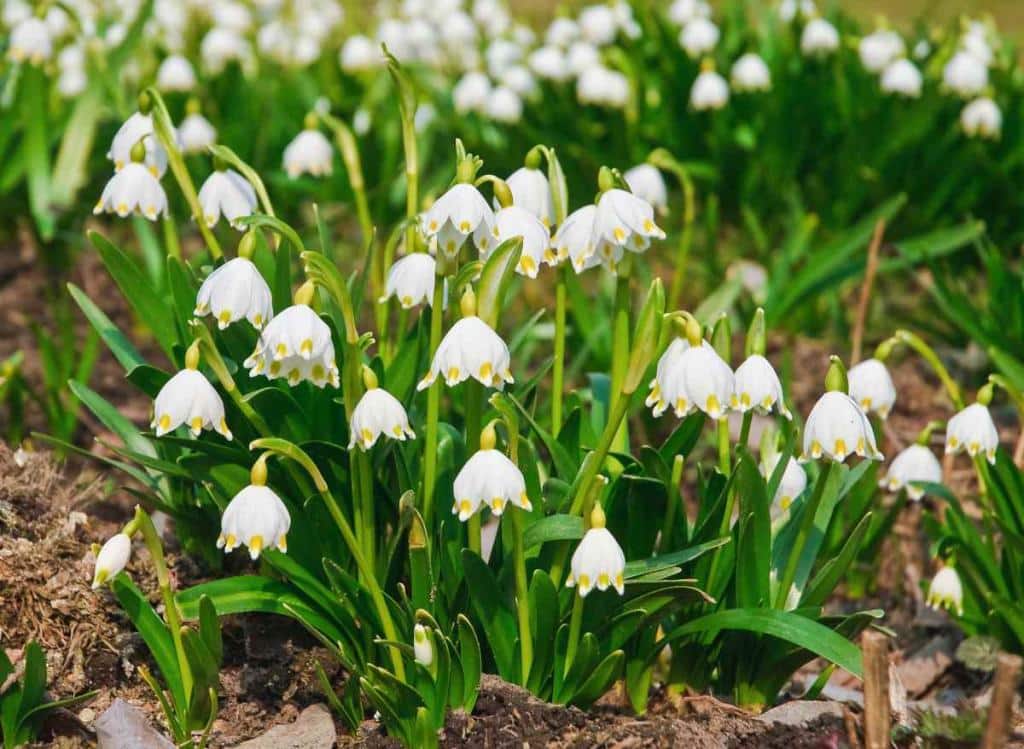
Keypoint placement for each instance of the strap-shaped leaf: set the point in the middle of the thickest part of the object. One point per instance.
(499, 625)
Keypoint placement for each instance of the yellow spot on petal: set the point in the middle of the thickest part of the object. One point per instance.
(497, 504)
(648, 225)
(317, 373)
(257, 321)
(367, 436)
(230, 542)
(486, 370)
(528, 265)
(406, 301)
(453, 373)
(432, 226)
(839, 451)
(713, 407)
(816, 449)
(165, 422)
(255, 545)
(281, 351)
(306, 347)
(619, 233)
(294, 376)
(196, 423)
(282, 544)
(584, 582)
(465, 506)
(275, 368)
(785, 502)
(396, 430)
(464, 227)
(953, 441)
(224, 316)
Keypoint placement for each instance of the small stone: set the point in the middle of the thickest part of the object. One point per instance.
(87, 715)
(801, 712)
(313, 729)
(124, 726)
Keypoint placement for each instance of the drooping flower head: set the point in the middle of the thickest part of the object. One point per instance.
(196, 133)
(819, 38)
(531, 191)
(175, 74)
(236, 291)
(461, 212)
(914, 464)
(750, 73)
(598, 561)
(692, 376)
(309, 152)
(791, 486)
(377, 413)
(946, 591)
(982, 118)
(255, 518)
(757, 388)
(30, 41)
(710, 91)
(872, 387)
(510, 222)
(837, 427)
(188, 398)
(138, 127)
(411, 280)
(645, 181)
(423, 650)
(112, 559)
(880, 48)
(903, 78)
(226, 192)
(973, 431)
(489, 478)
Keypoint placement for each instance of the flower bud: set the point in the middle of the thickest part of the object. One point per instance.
(112, 559)
(835, 380)
(422, 647)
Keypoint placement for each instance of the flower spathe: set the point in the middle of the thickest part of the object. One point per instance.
(309, 153)
(112, 559)
(296, 345)
(872, 387)
(836, 428)
(511, 222)
(460, 212)
(531, 191)
(189, 398)
(489, 478)
(226, 192)
(914, 464)
(133, 189)
(791, 486)
(470, 349)
(598, 561)
(235, 291)
(690, 378)
(946, 591)
(411, 280)
(645, 181)
(973, 431)
(378, 413)
(257, 519)
(757, 388)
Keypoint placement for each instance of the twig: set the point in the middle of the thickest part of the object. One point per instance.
(877, 717)
(865, 290)
(1000, 711)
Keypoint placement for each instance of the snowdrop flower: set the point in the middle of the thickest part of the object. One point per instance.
(819, 38)
(695, 377)
(581, 57)
(411, 280)
(681, 12)
(504, 105)
(837, 428)
(946, 591)
(597, 24)
(112, 559)
(750, 73)
(134, 189)
(489, 478)
(646, 182)
(175, 74)
(531, 191)
(973, 431)
(699, 37)
(470, 349)
(757, 388)
(359, 54)
(598, 561)
(562, 32)
(915, 463)
(226, 192)
(550, 63)
(872, 388)
(30, 41)
(221, 46)
(514, 221)
(982, 119)
(472, 92)
(461, 211)
(138, 127)
(423, 651)
(965, 75)
(189, 398)
(309, 153)
(236, 291)
(196, 133)
(790, 9)
(710, 91)
(902, 77)
(297, 345)
(256, 517)
(880, 48)
(377, 413)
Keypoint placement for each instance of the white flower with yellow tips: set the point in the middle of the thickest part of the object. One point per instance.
(757, 388)
(973, 431)
(489, 478)
(598, 561)
(411, 280)
(236, 291)
(133, 189)
(946, 591)
(256, 518)
(462, 211)
(837, 428)
(377, 413)
(914, 464)
(189, 398)
(112, 559)
(872, 387)
(138, 127)
(510, 222)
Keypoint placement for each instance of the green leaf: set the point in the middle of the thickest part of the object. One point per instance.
(560, 527)
(33, 684)
(209, 628)
(116, 341)
(499, 625)
(600, 679)
(543, 621)
(469, 655)
(495, 277)
(112, 419)
(642, 567)
(824, 583)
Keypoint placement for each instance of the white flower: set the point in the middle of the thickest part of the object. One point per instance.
(972, 430)
(915, 463)
(14, 12)
(519, 79)
(138, 127)
(597, 24)
(562, 32)
(228, 192)
(646, 182)
(581, 57)
(461, 211)
(965, 75)
(423, 651)
(710, 91)
(750, 73)
(681, 12)
(872, 387)
(257, 518)
(470, 349)
(489, 478)
(296, 344)
(982, 118)
(504, 105)
(459, 30)
(604, 87)
(902, 77)
(309, 153)
(71, 82)
(112, 559)
(196, 133)
(791, 485)
(625, 220)
(946, 591)
(378, 412)
(975, 42)
(231, 15)
(575, 240)
(880, 48)
(30, 42)
(471, 92)
(189, 398)
(757, 388)
(790, 9)
(819, 38)
(598, 561)
(411, 280)
(175, 74)
(514, 221)
(550, 63)
(699, 37)
(234, 291)
(502, 54)
(221, 46)
(922, 49)
(531, 191)
(690, 378)
(359, 54)
(837, 428)
(133, 190)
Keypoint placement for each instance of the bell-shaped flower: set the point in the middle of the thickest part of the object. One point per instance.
(562, 32)
(504, 105)
(695, 377)
(880, 48)
(699, 37)
(819, 38)
(624, 220)
(872, 387)
(645, 181)
(221, 46)
(378, 413)
(471, 92)
(710, 91)
(460, 212)
(531, 191)
(226, 192)
(757, 388)
(602, 86)
(598, 561)
(296, 345)
(196, 133)
(681, 12)
(411, 280)
(489, 478)
(836, 428)
(423, 650)
(902, 77)
(914, 464)
(965, 75)
(581, 57)
(235, 291)
(791, 486)
(750, 73)
(597, 24)
(309, 153)
(256, 518)
(575, 240)
(511, 222)
(973, 431)
(550, 63)
(470, 349)
(133, 189)
(175, 74)
(359, 54)
(138, 127)
(790, 10)
(189, 398)
(982, 118)
(30, 41)
(112, 559)
(946, 591)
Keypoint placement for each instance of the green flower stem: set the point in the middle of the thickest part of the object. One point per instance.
(620, 348)
(928, 354)
(433, 403)
(803, 533)
(674, 498)
(748, 417)
(474, 408)
(724, 458)
(522, 595)
(558, 366)
(575, 625)
(171, 238)
(664, 160)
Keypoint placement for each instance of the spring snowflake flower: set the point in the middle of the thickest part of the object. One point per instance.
(597, 24)
(112, 559)
(837, 428)
(489, 478)
(750, 73)
(472, 92)
(189, 398)
(872, 388)
(226, 192)
(504, 105)
(296, 345)
(581, 57)
(30, 41)
(598, 561)
(457, 214)
(411, 280)
(550, 63)
(221, 46)
(175, 74)
(519, 79)
(903, 78)
(359, 54)
(514, 221)
(309, 153)
(574, 240)
(645, 181)
(134, 189)
(976, 43)
(790, 10)
(965, 75)
(982, 118)
(710, 91)
(626, 221)
(791, 486)
(196, 133)
(602, 86)
(531, 191)
(235, 291)
(946, 591)
(681, 12)
(973, 431)
(694, 377)
(256, 518)
(377, 413)
(819, 38)
(757, 388)
(470, 349)
(138, 127)
(915, 463)
(423, 651)
(562, 32)
(71, 82)
(880, 48)
(699, 37)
